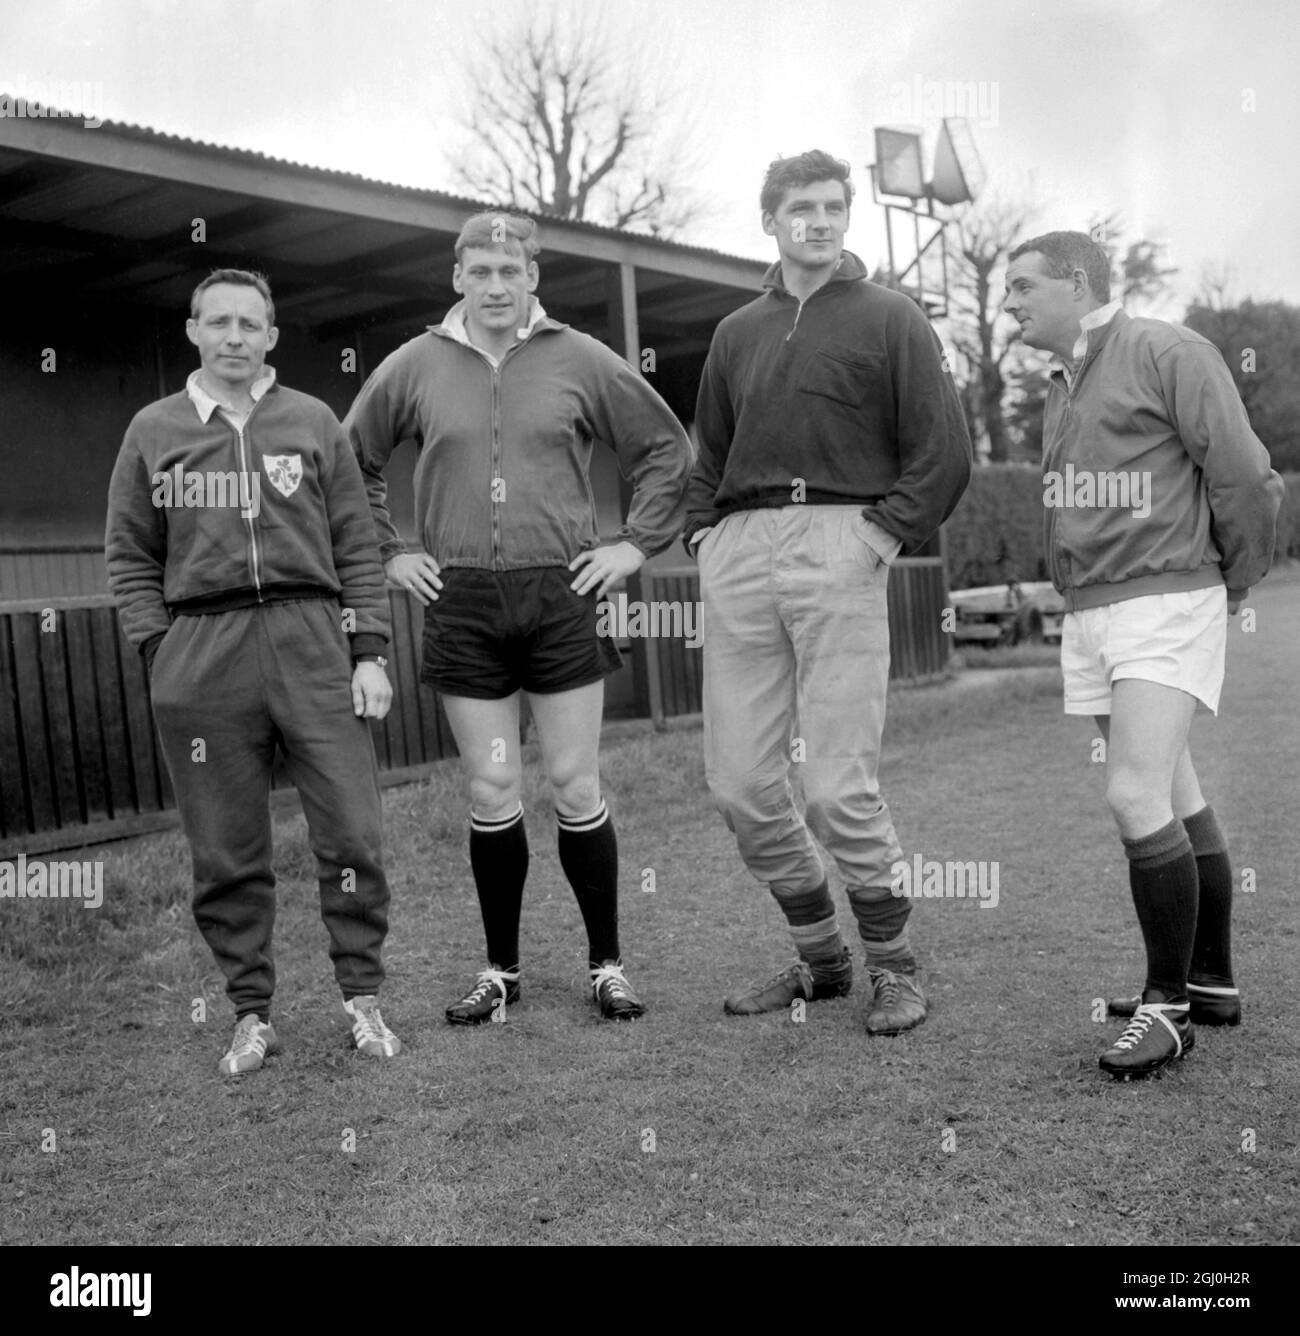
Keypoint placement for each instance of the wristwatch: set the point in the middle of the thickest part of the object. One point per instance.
(372, 658)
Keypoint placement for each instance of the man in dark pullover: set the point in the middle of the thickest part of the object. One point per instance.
(830, 438)
(1160, 513)
(244, 563)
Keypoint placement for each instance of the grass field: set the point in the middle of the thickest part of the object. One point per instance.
(989, 1124)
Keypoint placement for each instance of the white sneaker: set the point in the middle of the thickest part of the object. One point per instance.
(371, 1035)
(253, 1040)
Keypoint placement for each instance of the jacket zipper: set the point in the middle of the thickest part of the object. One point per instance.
(1058, 557)
(799, 310)
(248, 518)
(1055, 555)
(496, 466)
(494, 462)
(497, 456)
(797, 314)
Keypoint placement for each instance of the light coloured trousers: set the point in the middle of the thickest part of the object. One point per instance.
(796, 666)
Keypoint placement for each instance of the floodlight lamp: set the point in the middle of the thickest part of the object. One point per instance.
(899, 169)
(958, 171)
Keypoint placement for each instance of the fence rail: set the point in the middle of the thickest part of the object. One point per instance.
(78, 749)
(46, 570)
(80, 760)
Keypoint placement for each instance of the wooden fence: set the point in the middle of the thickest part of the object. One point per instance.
(80, 761)
(51, 570)
(79, 757)
(918, 594)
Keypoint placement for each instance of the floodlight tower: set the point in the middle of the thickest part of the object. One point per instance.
(899, 171)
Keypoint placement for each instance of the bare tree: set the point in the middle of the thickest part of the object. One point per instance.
(557, 122)
(1216, 287)
(982, 236)
(1145, 279)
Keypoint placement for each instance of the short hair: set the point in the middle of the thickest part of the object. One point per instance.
(789, 173)
(244, 278)
(1064, 252)
(498, 228)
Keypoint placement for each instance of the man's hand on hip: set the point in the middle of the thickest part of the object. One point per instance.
(604, 566)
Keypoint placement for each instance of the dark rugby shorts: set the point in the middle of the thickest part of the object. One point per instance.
(490, 633)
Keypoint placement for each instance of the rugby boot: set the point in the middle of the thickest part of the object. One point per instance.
(1210, 1004)
(812, 983)
(897, 1002)
(613, 994)
(1159, 1033)
(493, 988)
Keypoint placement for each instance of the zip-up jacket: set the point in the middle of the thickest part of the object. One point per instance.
(502, 479)
(846, 392)
(1152, 415)
(307, 533)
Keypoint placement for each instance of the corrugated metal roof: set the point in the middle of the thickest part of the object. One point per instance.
(129, 130)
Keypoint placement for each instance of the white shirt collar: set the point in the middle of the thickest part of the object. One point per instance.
(454, 324)
(1103, 315)
(207, 405)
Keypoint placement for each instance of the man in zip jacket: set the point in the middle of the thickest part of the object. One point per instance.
(243, 560)
(830, 437)
(1160, 512)
(505, 406)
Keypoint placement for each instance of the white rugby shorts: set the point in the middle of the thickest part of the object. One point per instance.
(1176, 639)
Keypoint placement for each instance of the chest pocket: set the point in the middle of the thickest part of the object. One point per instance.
(846, 375)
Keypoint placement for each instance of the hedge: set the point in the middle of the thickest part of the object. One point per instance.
(996, 532)
(1288, 522)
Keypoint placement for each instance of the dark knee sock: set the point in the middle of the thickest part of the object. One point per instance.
(1162, 876)
(498, 855)
(882, 925)
(811, 916)
(1212, 952)
(589, 857)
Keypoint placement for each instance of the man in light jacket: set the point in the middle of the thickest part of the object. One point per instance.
(1160, 514)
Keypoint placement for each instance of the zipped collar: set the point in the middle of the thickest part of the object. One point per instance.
(453, 327)
(849, 270)
(1093, 338)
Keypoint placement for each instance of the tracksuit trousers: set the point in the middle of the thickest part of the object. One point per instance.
(796, 666)
(228, 688)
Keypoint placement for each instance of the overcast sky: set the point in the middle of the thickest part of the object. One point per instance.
(1141, 107)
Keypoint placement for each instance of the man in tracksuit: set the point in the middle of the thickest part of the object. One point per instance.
(1160, 514)
(243, 560)
(830, 437)
(505, 406)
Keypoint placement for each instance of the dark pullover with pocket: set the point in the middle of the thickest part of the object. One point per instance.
(841, 400)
